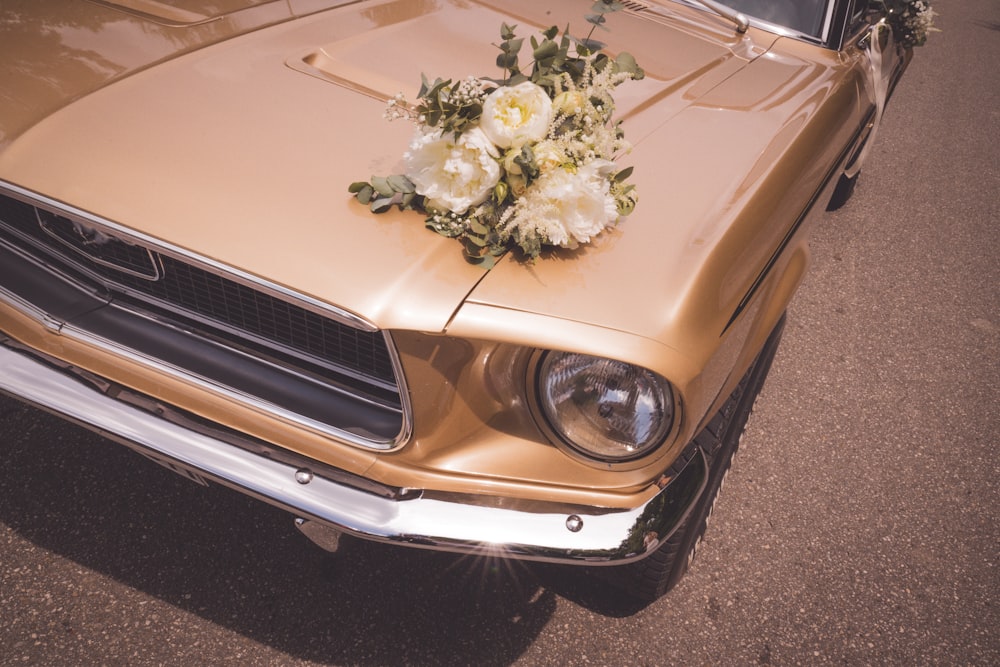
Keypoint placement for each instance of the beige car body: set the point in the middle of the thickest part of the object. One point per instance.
(226, 133)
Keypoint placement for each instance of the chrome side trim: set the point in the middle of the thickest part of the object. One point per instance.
(532, 531)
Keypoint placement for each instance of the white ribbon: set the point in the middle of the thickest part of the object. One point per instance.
(880, 84)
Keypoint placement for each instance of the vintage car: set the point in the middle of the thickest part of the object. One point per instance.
(186, 267)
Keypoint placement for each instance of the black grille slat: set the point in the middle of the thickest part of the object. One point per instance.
(207, 297)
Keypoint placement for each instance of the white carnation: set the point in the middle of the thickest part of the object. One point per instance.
(453, 173)
(514, 115)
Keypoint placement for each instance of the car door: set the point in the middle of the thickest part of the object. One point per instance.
(873, 51)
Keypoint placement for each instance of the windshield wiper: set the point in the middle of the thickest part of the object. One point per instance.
(741, 21)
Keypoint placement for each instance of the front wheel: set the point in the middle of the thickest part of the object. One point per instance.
(653, 576)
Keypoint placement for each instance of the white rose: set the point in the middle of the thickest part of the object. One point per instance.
(513, 115)
(570, 208)
(548, 155)
(455, 174)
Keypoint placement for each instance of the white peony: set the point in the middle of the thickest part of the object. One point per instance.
(568, 208)
(514, 115)
(455, 174)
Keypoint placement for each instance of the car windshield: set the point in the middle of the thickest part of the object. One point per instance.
(808, 17)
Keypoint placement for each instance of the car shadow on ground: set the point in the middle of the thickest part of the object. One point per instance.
(241, 564)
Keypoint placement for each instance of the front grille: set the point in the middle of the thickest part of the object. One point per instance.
(218, 307)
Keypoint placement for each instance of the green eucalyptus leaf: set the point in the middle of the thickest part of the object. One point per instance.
(487, 261)
(477, 242)
(365, 194)
(547, 49)
(588, 46)
(357, 186)
(507, 31)
(381, 205)
(623, 174)
(400, 183)
(381, 185)
(507, 61)
(429, 224)
(513, 46)
(625, 62)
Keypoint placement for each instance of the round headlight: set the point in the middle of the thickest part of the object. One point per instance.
(606, 409)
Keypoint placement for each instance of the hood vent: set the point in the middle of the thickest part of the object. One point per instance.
(633, 6)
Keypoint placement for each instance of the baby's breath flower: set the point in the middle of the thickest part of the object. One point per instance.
(468, 91)
(447, 223)
(397, 108)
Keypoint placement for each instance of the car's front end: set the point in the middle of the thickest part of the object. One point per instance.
(394, 435)
(183, 270)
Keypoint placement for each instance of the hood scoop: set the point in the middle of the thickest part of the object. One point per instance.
(387, 51)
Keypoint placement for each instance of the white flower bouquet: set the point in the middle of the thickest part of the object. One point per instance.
(910, 20)
(525, 161)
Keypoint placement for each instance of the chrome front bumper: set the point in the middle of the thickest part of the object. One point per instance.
(330, 499)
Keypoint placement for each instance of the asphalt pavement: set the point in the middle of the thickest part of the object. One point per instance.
(859, 525)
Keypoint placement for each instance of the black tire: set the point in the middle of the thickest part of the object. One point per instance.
(653, 576)
(843, 192)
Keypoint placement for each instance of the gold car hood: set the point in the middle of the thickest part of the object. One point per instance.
(240, 146)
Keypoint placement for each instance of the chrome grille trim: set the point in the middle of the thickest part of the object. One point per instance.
(285, 415)
(79, 335)
(48, 221)
(242, 277)
(399, 405)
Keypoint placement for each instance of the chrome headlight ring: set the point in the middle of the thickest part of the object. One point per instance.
(606, 410)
